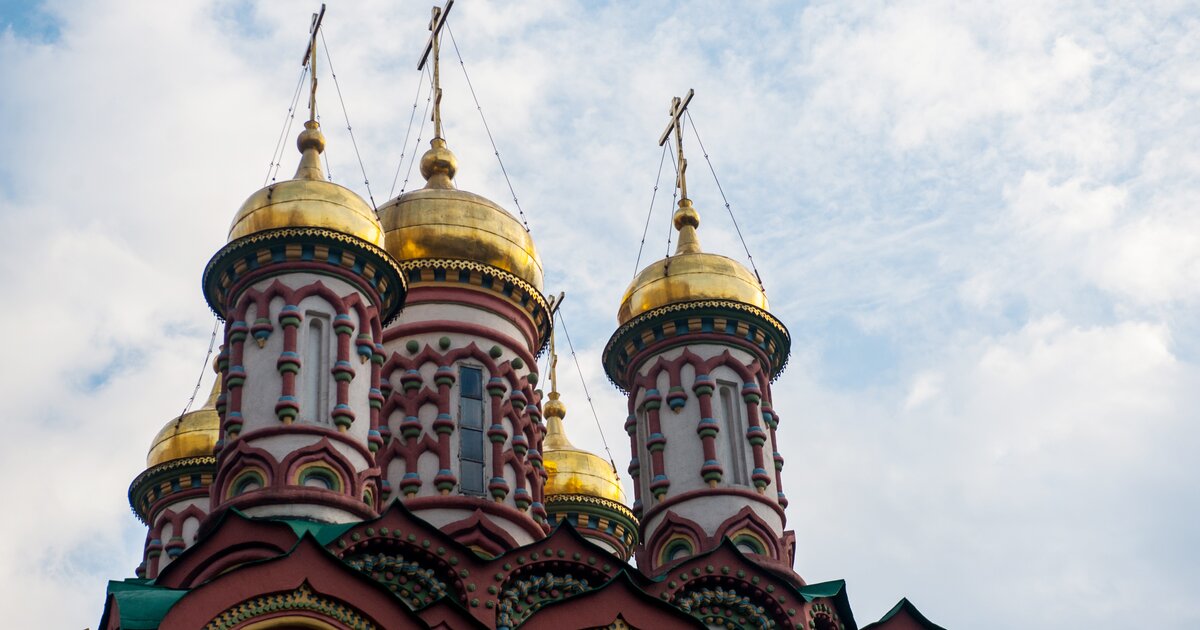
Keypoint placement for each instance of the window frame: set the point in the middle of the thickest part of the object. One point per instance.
(477, 434)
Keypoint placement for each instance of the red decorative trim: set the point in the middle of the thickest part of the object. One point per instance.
(300, 494)
(482, 532)
(509, 513)
(448, 326)
(323, 269)
(224, 543)
(691, 339)
(298, 428)
(195, 492)
(702, 493)
(465, 296)
(600, 607)
(324, 452)
(746, 518)
(308, 563)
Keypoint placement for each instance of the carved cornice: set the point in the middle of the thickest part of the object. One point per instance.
(678, 324)
(374, 266)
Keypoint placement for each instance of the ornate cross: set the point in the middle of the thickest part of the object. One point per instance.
(555, 302)
(310, 57)
(678, 107)
(431, 48)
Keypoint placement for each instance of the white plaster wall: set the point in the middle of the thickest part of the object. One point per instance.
(303, 510)
(434, 311)
(684, 452)
(263, 383)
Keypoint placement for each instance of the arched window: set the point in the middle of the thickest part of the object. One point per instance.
(470, 430)
(314, 371)
(735, 432)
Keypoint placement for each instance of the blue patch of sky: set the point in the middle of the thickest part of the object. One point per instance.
(189, 329)
(242, 19)
(852, 358)
(122, 358)
(92, 557)
(29, 20)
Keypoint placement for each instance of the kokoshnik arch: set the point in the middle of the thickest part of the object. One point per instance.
(377, 452)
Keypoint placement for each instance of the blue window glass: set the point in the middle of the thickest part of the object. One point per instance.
(471, 414)
(471, 383)
(472, 477)
(472, 445)
(470, 430)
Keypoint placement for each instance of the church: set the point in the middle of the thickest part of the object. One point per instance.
(380, 450)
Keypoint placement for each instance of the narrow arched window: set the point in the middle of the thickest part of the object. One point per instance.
(470, 430)
(314, 370)
(735, 432)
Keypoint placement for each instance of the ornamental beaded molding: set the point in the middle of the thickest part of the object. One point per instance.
(670, 308)
(308, 231)
(583, 498)
(301, 599)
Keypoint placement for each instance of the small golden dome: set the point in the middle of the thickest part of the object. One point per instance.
(690, 275)
(191, 435)
(571, 470)
(308, 200)
(442, 222)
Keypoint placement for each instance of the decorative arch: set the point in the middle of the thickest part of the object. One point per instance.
(718, 605)
(672, 533)
(750, 528)
(308, 582)
(290, 621)
(609, 605)
(242, 457)
(479, 531)
(323, 455)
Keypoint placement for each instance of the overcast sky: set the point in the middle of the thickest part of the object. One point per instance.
(978, 220)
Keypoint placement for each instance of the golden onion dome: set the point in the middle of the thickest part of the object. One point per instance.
(690, 275)
(571, 470)
(308, 200)
(441, 222)
(194, 434)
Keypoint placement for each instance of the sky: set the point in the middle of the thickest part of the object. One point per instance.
(977, 219)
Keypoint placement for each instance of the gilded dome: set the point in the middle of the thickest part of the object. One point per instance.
(690, 275)
(442, 222)
(571, 470)
(308, 200)
(191, 435)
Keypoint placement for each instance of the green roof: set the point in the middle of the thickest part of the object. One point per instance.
(141, 604)
(325, 533)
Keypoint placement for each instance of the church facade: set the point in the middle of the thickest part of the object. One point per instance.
(380, 451)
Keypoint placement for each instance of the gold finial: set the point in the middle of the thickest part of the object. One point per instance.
(686, 218)
(438, 165)
(554, 409)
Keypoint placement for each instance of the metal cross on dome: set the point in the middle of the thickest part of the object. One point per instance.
(431, 48)
(310, 56)
(555, 302)
(678, 107)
